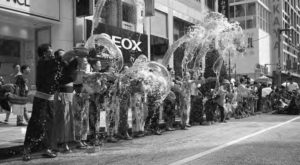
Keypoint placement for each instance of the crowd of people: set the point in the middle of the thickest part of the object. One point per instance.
(65, 113)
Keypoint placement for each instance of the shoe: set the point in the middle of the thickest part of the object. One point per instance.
(125, 137)
(157, 132)
(188, 125)
(49, 154)
(184, 128)
(81, 145)
(138, 134)
(6, 121)
(66, 149)
(170, 129)
(26, 155)
(84, 143)
(21, 124)
(112, 140)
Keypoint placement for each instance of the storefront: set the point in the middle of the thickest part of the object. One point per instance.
(132, 44)
(25, 24)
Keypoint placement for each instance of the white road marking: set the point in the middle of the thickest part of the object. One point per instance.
(201, 154)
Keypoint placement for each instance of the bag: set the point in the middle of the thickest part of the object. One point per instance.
(15, 99)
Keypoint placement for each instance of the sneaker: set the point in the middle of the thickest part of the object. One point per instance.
(49, 154)
(112, 140)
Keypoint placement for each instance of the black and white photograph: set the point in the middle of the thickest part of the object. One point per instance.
(149, 82)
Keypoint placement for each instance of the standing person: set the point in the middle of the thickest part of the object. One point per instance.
(64, 117)
(22, 90)
(81, 105)
(292, 86)
(187, 100)
(196, 102)
(169, 110)
(41, 124)
(221, 99)
(12, 80)
(95, 107)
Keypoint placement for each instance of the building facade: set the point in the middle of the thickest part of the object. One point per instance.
(285, 45)
(261, 20)
(254, 18)
(26, 24)
(124, 20)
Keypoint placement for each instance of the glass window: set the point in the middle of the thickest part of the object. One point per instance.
(251, 23)
(161, 19)
(251, 9)
(231, 12)
(231, 1)
(240, 10)
(242, 24)
(129, 13)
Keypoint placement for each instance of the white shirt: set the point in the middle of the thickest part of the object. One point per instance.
(266, 91)
(293, 86)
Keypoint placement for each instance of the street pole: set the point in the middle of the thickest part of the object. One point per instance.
(279, 55)
(279, 59)
(229, 63)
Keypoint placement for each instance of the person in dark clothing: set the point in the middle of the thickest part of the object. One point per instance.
(169, 111)
(64, 117)
(41, 125)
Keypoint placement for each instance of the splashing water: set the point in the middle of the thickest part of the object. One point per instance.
(113, 54)
(213, 28)
(147, 77)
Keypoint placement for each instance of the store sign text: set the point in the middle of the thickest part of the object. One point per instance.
(127, 43)
(20, 2)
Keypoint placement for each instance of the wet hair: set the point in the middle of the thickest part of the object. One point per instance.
(24, 67)
(56, 53)
(15, 65)
(42, 49)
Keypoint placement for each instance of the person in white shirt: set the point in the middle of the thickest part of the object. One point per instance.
(292, 86)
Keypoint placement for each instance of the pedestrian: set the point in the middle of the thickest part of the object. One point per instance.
(221, 98)
(22, 90)
(64, 117)
(169, 111)
(81, 105)
(196, 115)
(186, 102)
(12, 80)
(41, 124)
(95, 107)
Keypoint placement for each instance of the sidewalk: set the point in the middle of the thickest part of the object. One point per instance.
(10, 134)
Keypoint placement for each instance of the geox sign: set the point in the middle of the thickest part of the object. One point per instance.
(132, 44)
(126, 43)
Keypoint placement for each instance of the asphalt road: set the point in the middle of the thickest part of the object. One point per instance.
(257, 140)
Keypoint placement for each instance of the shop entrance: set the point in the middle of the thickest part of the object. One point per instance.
(10, 54)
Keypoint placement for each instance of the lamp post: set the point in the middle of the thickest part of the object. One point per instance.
(279, 57)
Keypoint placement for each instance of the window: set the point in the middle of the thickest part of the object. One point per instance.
(159, 24)
(242, 24)
(129, 13)
(240, 10)
(251, 23)
(250, 9)
(10, 48)
(231, 12)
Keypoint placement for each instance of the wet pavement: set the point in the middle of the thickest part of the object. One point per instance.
(172, 147)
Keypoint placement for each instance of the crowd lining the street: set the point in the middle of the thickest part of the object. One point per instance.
(64, 113)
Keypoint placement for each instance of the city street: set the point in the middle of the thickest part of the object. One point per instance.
(259, 140)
